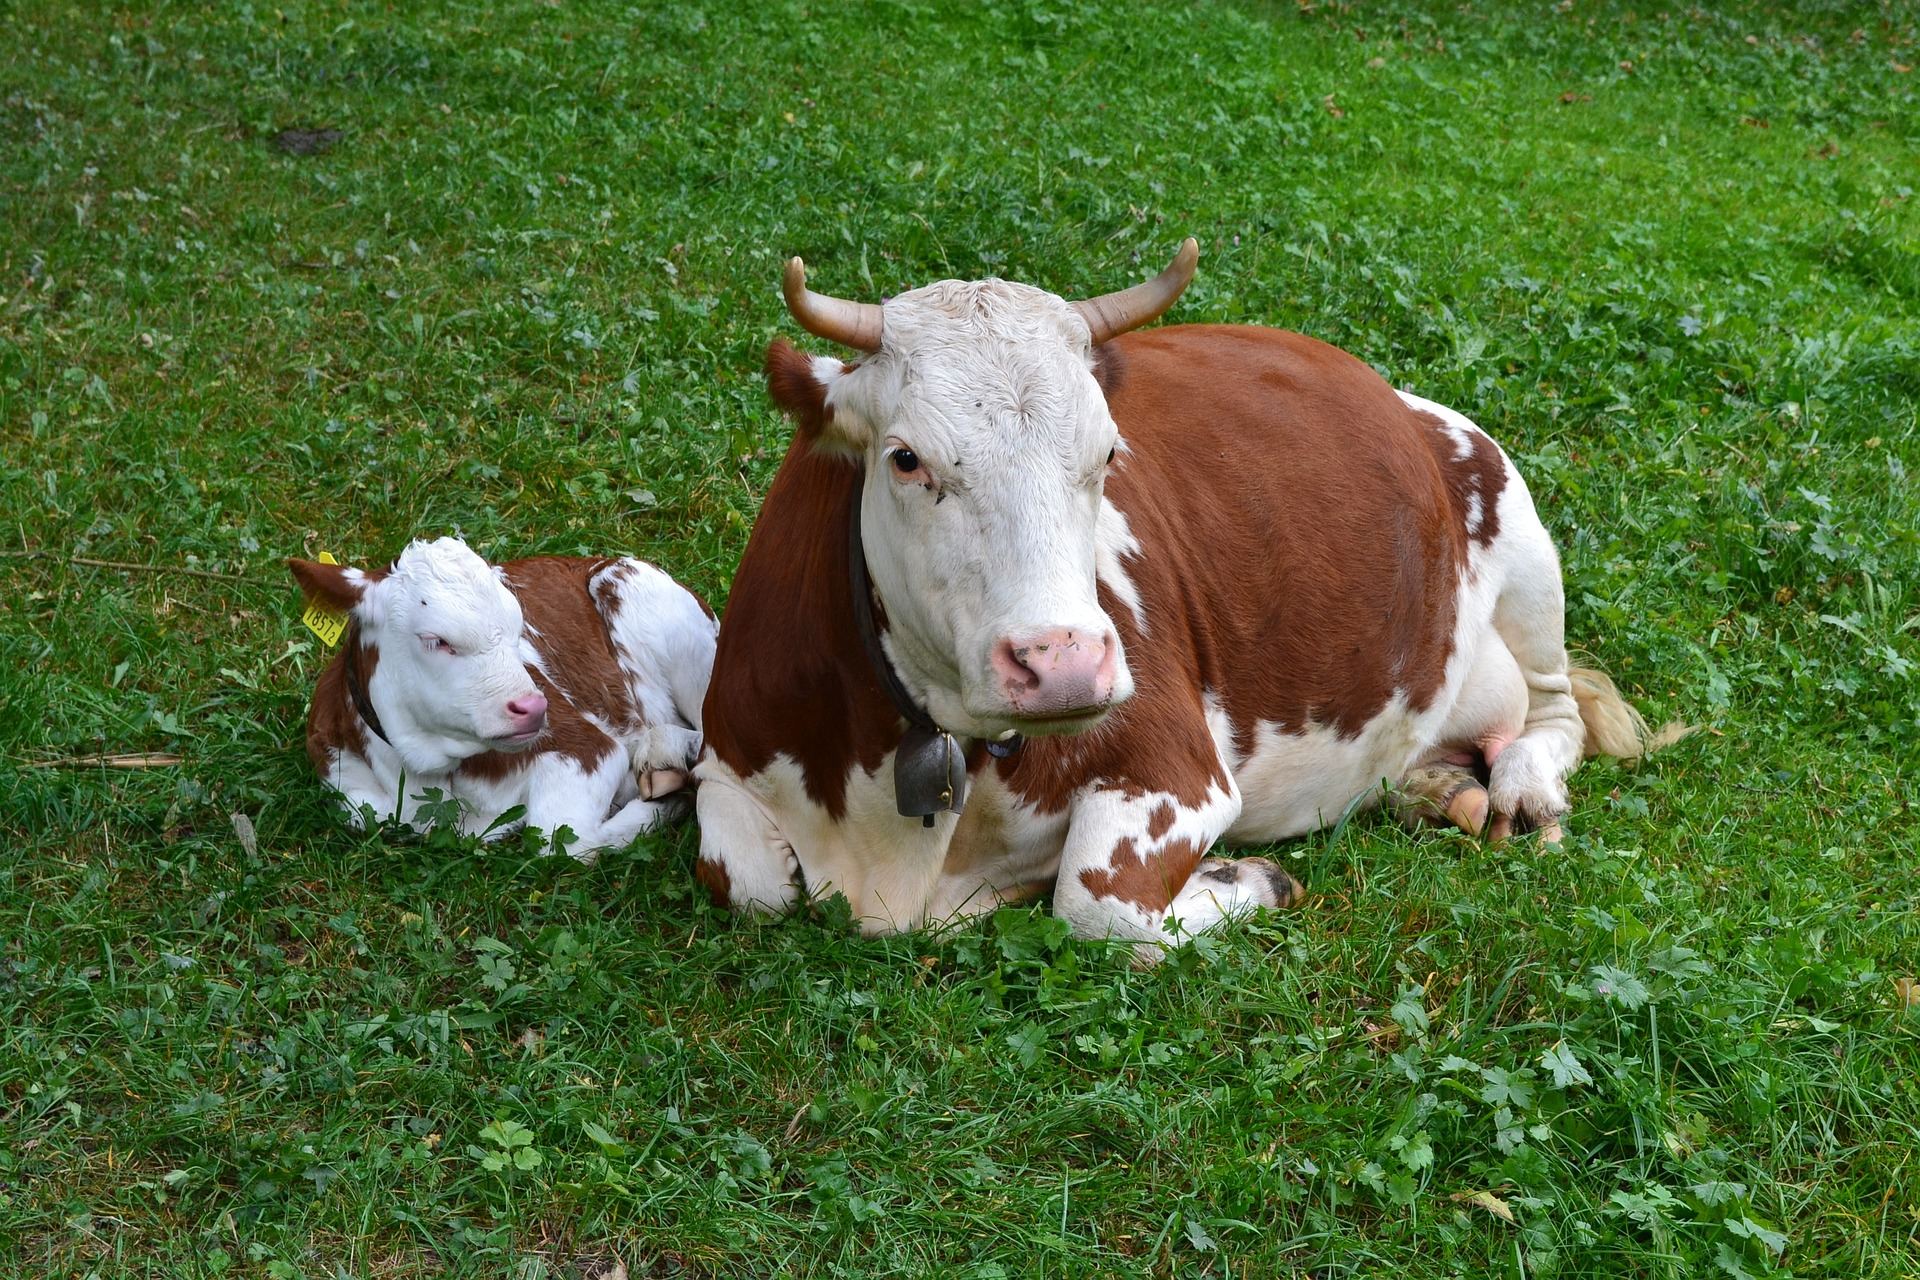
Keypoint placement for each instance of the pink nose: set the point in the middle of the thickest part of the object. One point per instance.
(1056, 672)
(529, 713)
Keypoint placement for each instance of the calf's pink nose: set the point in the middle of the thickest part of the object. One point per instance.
(1055, 672)
(528, 713)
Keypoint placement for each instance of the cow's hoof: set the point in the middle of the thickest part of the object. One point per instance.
(1258, 878)
(1441, 794)
(1505, 825)
(1282, 889)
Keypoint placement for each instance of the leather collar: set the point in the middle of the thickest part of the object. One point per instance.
(356, 687)
(929, 768)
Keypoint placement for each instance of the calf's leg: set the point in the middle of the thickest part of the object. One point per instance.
(565, 792)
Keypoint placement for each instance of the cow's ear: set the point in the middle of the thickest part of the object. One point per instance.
(1109, 369)
(799, 384)
(337, 586)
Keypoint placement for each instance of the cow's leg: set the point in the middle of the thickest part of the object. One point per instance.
(745, 863)
(1527, 785)
(1450, 784)
(1134, 865)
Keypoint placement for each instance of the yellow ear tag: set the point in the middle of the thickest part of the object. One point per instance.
(328, 624)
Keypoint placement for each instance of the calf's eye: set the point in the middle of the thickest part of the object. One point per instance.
(906, 461)
(1110, 454)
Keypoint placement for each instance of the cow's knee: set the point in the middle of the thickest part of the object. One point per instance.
(744, 862)
(1528, 791)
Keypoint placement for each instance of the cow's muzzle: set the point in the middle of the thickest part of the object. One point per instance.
(1056, 674)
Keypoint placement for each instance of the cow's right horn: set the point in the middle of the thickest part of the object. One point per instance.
(1112, 314)
(853, 324)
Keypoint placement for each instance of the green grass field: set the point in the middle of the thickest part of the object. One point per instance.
(1669, 257)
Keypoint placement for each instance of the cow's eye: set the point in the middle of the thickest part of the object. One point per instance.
(906, 461)
(1110, 454)
(436, 644)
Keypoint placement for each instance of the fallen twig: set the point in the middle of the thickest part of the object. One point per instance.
(130, 565)
(136, 760)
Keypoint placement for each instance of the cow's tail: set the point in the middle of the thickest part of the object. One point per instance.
(1615, 726)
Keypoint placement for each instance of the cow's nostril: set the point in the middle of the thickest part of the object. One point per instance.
(527, 708)
(1010, 664)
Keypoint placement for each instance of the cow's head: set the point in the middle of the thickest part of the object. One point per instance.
(986, 441)
(440, 638)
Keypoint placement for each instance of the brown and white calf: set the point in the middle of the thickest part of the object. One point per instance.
(1224, 581)
(571, 686)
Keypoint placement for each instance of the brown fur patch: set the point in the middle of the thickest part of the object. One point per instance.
(333, 725)
(1149, 881)
(583, 675)
(1482, 474)
(1109, 368)
(718, 883)
(328, 584)
(1299, 556)
(790, 676)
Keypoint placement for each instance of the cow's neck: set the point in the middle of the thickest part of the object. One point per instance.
(929, 765)
(789, 655)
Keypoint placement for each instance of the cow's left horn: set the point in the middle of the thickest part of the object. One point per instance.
(1112, 314)
(853, 324)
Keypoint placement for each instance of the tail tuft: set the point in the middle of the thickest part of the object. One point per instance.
(1614, 726)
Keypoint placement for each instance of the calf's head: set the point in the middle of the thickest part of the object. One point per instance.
(440, 649)
(985, 441)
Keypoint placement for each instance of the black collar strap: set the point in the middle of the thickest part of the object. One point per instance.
(929, 768)
(356, 688)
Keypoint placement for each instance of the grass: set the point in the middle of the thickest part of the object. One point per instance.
(1668, 257)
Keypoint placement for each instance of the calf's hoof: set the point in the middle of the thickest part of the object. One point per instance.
(655, 783)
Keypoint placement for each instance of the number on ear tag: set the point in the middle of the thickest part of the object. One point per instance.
(328, 624)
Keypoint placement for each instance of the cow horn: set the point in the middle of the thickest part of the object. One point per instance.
(852, 324)
(1112, 314)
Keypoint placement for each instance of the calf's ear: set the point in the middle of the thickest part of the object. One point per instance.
(799, 383)
(336, 586)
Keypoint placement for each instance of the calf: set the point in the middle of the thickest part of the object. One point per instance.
(571, 686)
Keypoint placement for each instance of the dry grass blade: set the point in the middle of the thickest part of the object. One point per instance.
(120, 760)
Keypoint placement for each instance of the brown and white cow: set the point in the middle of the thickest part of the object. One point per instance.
(571, 686)
(1219, 583)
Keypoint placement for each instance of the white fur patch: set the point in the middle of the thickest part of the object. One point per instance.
(1114, 542)
(1459, 428)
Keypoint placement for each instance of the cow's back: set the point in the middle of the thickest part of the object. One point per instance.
(1296, 524)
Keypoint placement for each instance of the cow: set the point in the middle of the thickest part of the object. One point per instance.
(569, 686)
(1040, 600)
